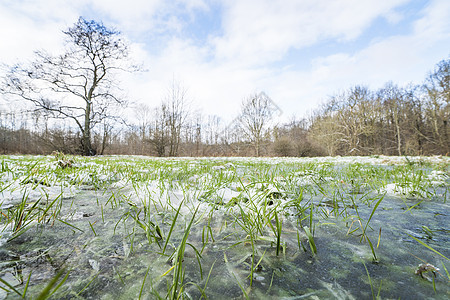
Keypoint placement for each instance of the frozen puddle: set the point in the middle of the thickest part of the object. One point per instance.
(224, 228)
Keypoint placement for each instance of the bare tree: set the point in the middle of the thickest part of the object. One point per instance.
(213, 129)
(143, 115)
(159, 130)
(105, 135)
(437, 87)
(197, 128)
(257, 112)
(78, 84)
(177, 113)
(391, 97)
(325, 130)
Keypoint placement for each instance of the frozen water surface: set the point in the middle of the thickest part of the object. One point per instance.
(222, 228)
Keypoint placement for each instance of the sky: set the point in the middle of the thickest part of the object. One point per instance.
(299, 52)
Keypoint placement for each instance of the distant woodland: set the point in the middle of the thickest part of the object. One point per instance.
(393, 120)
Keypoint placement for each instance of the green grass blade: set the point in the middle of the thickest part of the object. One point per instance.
(206, 282)
(45, 294)
(373, 211)
(61, 283)
(143, 283)
(423, 244)
(235, 277)
(373, 250)
(178, 273)
(71, 225)
(312, 244)
(279, 224)
(172, 227)
(88, 284)
(26, 285)
(370, 282)
(9, 286)
(446, 271)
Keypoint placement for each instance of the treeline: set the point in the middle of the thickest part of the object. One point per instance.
(392, 120)
(412, 120)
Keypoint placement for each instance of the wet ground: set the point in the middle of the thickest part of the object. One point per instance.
(118, 241)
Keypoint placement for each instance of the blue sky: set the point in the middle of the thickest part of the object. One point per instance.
(297, 51)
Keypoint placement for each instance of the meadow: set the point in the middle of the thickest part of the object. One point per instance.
(129, 227)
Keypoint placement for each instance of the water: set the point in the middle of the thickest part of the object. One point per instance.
(107, 254)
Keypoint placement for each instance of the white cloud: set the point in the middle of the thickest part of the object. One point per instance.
(403, 59)
(129, 16)
(435, 24)
(31, 25)
(263, 32)
(215, 88)
(144, 17)
(241, 58)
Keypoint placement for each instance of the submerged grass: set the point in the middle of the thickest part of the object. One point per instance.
(252, 219)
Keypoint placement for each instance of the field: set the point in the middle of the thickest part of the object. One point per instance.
(224, 228)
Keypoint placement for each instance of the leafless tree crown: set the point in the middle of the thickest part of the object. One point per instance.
(79, 84)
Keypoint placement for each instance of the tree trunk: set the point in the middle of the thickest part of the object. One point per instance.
(399, 141)
(86, 139)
